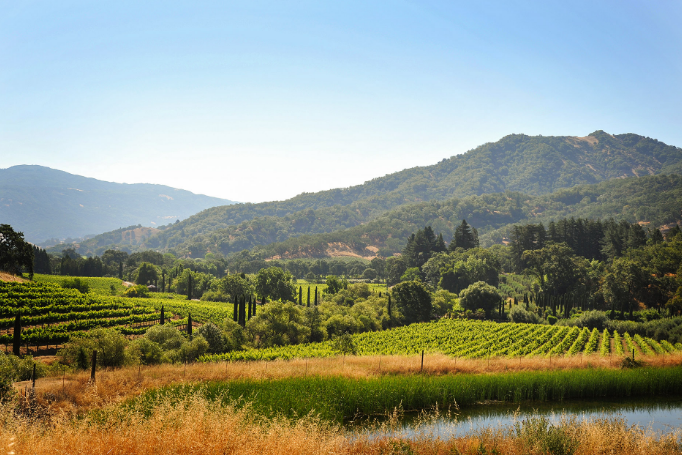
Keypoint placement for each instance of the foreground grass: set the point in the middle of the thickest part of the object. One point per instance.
(72, 393)
(198, 425)
(340, 399)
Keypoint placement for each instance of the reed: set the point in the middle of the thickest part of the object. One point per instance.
(197, 425)
(340, 398)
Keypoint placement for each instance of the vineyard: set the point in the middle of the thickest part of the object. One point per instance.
(471, 339)
(51, 315)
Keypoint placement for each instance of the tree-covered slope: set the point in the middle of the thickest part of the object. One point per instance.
(46, 203)
(530, 165)
(654, 199)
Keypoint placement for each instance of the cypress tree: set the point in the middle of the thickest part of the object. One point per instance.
(254, 308)
(242, 312)
(300, 295)
(315, 295)
(16, 344)
(389, 305)
(163, 316)
(189, 325)
(308, 296)
(235, 311)
(248, 315)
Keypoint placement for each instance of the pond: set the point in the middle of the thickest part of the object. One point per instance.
(662, 415)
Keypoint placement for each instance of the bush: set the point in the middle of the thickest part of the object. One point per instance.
(109, 343)
(233, 335)
(213, 336)
(136, 291)
(590, 319)
(190, 351)
(552, 319)
(8, 375)
(166, 336)
(148, 352)
(76, 283)
(518, 314)
(214, 296)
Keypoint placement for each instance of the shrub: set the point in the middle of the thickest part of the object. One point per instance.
(109, 343)
(76, 283)
(518, 314)
(213, 336)
(148, 352)
(214, 296)
(166, 336)
(190, 351)
(551, 319)
(136, 291)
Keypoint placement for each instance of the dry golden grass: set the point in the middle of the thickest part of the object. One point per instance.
(199, 426)
(9, 277)
(74, 393)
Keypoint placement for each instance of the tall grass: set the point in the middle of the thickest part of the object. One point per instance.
(340, 398)
(197, 425)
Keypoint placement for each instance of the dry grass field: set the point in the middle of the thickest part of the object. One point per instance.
(74, 392)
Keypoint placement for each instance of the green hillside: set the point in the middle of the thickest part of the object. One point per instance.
(517, 163)
(45, 203)
(654, 199)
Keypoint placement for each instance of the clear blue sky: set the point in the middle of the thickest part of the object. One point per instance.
(255, 101)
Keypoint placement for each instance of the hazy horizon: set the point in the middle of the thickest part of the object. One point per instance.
(263, 101)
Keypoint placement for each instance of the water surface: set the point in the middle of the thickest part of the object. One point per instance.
(662, 415)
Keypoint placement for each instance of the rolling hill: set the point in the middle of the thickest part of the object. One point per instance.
(47, 203)
(531, 166)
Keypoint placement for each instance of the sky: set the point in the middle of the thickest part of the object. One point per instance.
(257, 101)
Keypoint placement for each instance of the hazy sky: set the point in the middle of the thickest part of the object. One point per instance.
(255, 101)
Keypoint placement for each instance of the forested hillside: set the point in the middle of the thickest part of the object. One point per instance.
(653, 199)
(517, 163)
(45, 203)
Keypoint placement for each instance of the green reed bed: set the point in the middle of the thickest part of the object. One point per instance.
(339, 399)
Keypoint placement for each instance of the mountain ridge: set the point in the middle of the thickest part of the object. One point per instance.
(47, 203)
(532, 165)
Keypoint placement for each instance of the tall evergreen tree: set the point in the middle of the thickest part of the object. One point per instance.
(465, 237)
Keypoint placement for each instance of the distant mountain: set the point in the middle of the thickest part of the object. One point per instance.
(47, 203)
(530, 165)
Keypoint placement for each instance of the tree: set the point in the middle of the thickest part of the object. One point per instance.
(334, 285)
(413, 300)
(146, 273)
(480, 295)
(278, 324)
(275, 284)
(379, 265)
(235, 285)
(395, 267)
(556, 267)
(411, 274)
(16, 255)
(465, 237)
